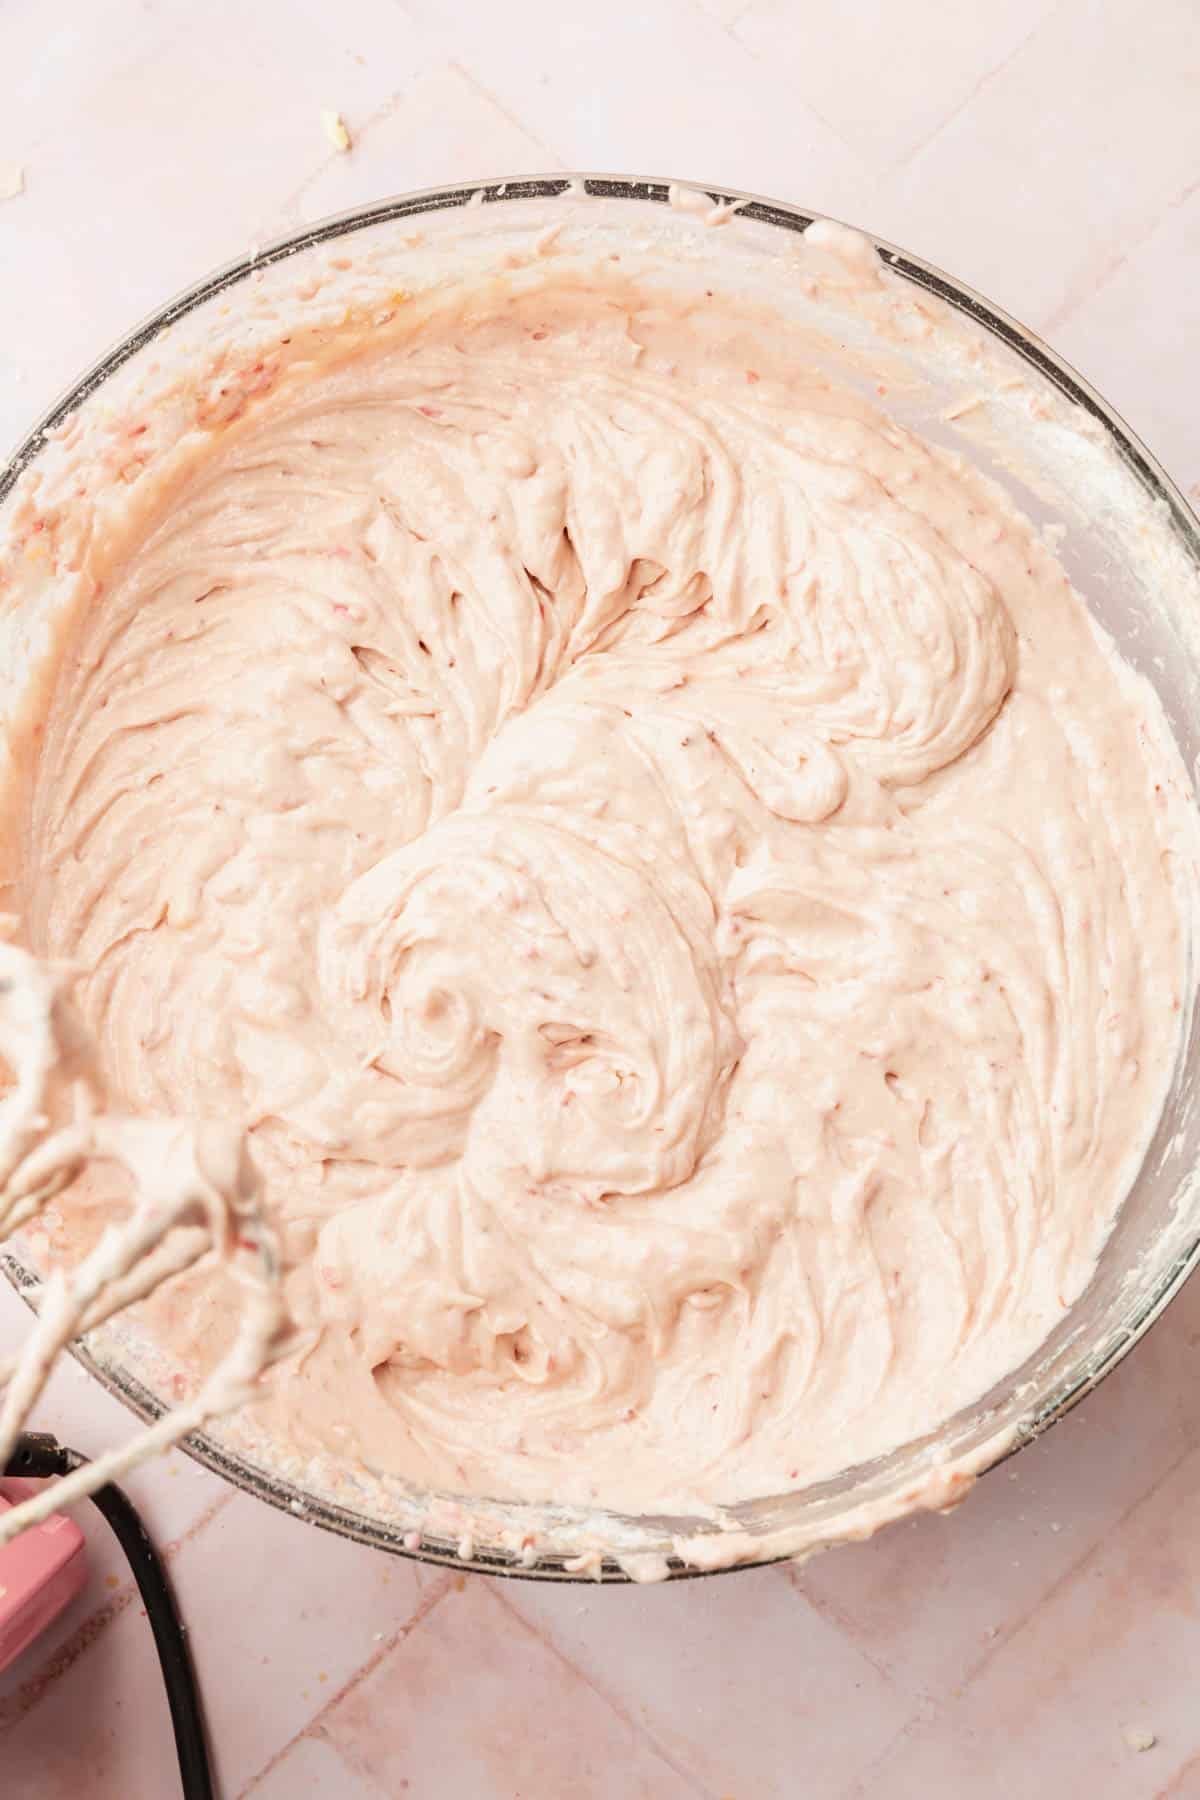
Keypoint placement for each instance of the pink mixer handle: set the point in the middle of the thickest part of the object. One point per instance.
(41, 1572)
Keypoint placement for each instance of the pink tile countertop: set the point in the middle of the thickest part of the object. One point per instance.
(1048, 153)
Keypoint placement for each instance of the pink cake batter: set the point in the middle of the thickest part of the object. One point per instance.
(681, 897)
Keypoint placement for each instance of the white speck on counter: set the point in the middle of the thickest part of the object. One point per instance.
(1138, 1737)
(12, 180)
(336, 129)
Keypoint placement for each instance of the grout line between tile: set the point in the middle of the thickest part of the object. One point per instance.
(1087, 287)
(833, 1615)
(871, 1782)
(213, 1510)
(989, 75)
(314, 1727)
(348, 1755)
(1012, 1631)
(1175, 1788)
(287, 206)
(554, 159)
(614, 1705)
(931, 1709)
(32, 1692)
(730, 28)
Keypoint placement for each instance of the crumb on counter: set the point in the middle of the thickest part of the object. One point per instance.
(1138, 1737)
(336, 129)
(12, 180)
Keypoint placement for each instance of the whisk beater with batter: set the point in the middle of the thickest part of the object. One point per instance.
(192, 1195)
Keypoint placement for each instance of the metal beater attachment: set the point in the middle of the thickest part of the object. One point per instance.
(192, 1193)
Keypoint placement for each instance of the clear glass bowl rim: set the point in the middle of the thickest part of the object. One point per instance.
(651, 190)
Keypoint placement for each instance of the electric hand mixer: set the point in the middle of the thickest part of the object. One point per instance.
(192, 1194)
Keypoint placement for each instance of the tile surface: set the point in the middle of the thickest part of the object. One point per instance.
(1049, 152)
(475, 1702)
(870, 79)
(740, 1682)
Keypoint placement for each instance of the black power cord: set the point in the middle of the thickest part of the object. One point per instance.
(38, 1456)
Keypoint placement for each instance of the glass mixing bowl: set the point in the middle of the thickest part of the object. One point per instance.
(966, 376)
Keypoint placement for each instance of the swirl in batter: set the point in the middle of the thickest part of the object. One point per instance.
(665, 869)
